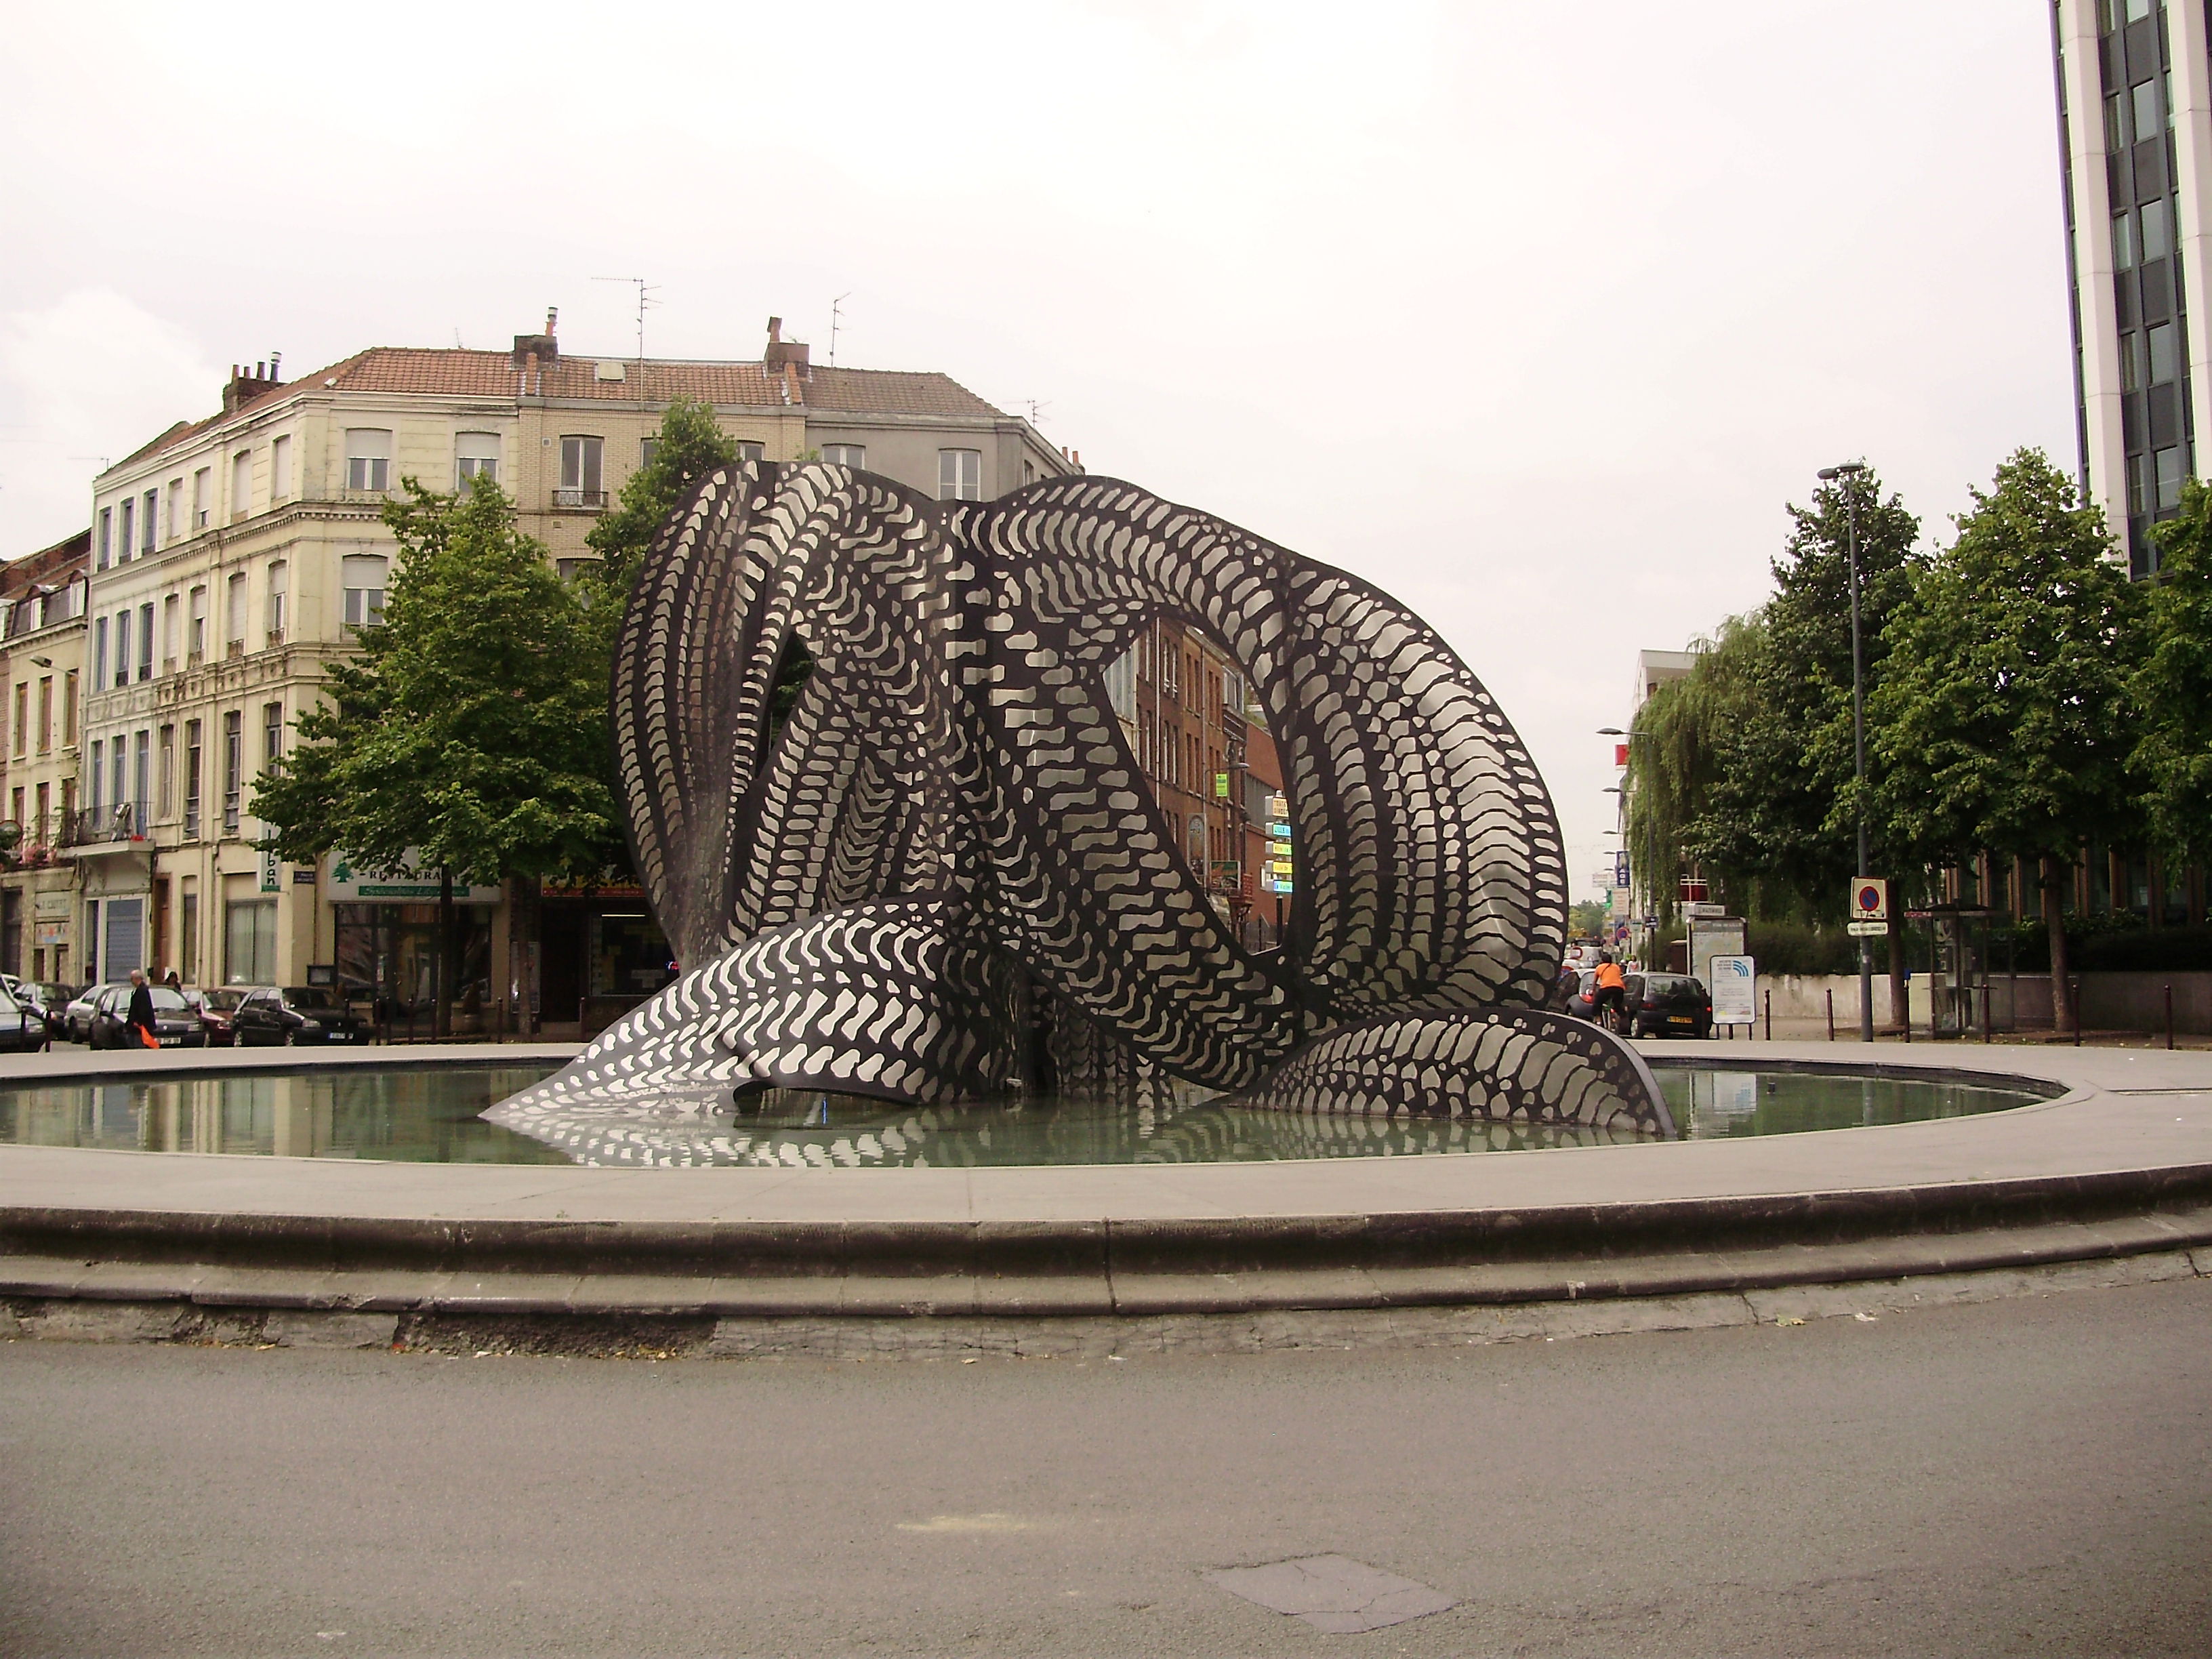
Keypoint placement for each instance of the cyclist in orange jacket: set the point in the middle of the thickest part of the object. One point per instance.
(1610, 988)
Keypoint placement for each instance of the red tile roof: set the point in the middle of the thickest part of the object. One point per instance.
(454, 371)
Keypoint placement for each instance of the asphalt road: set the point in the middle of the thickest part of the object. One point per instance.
(2031, 1476)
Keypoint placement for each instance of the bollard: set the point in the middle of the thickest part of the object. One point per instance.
(1770, 1015)
(2074, 996)
(2169, 1017)
(1832, 1014)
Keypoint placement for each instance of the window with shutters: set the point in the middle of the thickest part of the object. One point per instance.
(368, 459)
(362, 577)
(279, 577)
(196, 626)
(280, 469)
(476, 455)
(233, 614)
(241, 484)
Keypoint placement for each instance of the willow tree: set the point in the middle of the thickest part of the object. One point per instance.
(1679, 748)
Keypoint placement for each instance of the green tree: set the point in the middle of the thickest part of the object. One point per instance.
(469, 732)
(1782, 806)
(2172, 689)
(688, 446)
(2005, 721)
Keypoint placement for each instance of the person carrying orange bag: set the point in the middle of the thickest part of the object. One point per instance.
(140, 1018)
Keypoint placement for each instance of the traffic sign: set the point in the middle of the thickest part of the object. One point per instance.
(1868, 929)
(1869, 899)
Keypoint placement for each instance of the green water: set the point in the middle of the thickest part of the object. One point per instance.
(432, 1116)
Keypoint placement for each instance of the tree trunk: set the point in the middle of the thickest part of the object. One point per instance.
(2054, 923)
(1898, 1013)
(449, 952)
(522, 935)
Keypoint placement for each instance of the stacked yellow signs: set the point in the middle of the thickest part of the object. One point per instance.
(1279, 845)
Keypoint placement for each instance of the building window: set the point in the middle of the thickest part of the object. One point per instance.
(2164, 353)
(118, 777)
(44, 830)
(234, 768)
(280, 468)
(581, 477)
(2139, 493)
(196, 638)
(249, 942)
(146, 641)
(99, 652)
(123, 543)
(191, 778)
(273, 736)
(278, 575)
(141, 778)
(368, 459)
(2166, 463)
(241, 484)
(2145, 108)
(2124, 242)
(22, 724)
(2131, 361)
(167, 777)
(646, 449)
(749, 451)
(68, 709)
(572, 569)
(476, 455)
(362, 575)
(233, 612)
(2156, 243)
(93, 776)
(854, 455)
(168, 634)
(189, 938)
(146, 522)
(2116, 124)
(122, 647)
(47, 715)
(107, 528)
(203, 486)
(960, 474)
(174, 524)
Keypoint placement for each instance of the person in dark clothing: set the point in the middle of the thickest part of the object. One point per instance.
(140, 1023)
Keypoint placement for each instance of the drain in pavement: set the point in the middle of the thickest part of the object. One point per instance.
(1333, 1593)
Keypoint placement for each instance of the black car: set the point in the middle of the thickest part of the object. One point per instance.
(176, 1022)
(46, 1001)
(293, 1014)
(1668, 1005)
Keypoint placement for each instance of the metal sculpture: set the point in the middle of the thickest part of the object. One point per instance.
(946, 857)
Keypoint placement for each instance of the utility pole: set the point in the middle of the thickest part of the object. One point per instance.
(1842, 476)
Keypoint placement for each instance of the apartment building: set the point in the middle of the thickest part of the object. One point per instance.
(1203, 745)
(2135, 113)
(232, 556)
(42, 609)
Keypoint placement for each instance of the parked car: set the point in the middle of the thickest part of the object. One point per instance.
(218, 1009)
(47, 1001)
(293, 1014)
(76, 1014)
(176, 1022)
(1668, 1005)
(20, 1027)
(1583, 1003)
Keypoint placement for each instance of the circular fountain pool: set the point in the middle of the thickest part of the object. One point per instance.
(434, 1115)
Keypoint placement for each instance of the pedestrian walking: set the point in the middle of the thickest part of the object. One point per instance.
(140, 1019)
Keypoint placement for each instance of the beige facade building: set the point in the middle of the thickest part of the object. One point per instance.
(232, 556)
(42, 609)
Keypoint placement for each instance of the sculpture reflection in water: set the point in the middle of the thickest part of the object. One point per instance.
(942, 877)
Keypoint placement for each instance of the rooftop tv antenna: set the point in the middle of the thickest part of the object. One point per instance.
(1037, 408)
(645, 292)
(836, 318)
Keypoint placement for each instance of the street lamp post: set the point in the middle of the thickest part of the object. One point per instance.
(1843, 474)
(1651, 839)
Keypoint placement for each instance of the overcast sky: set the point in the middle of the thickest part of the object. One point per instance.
(1535, 314)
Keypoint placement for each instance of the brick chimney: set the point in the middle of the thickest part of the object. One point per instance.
(545, 347)
(248, 382)
(784, 355)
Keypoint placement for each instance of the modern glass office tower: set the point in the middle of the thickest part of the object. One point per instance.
(2135, 114)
